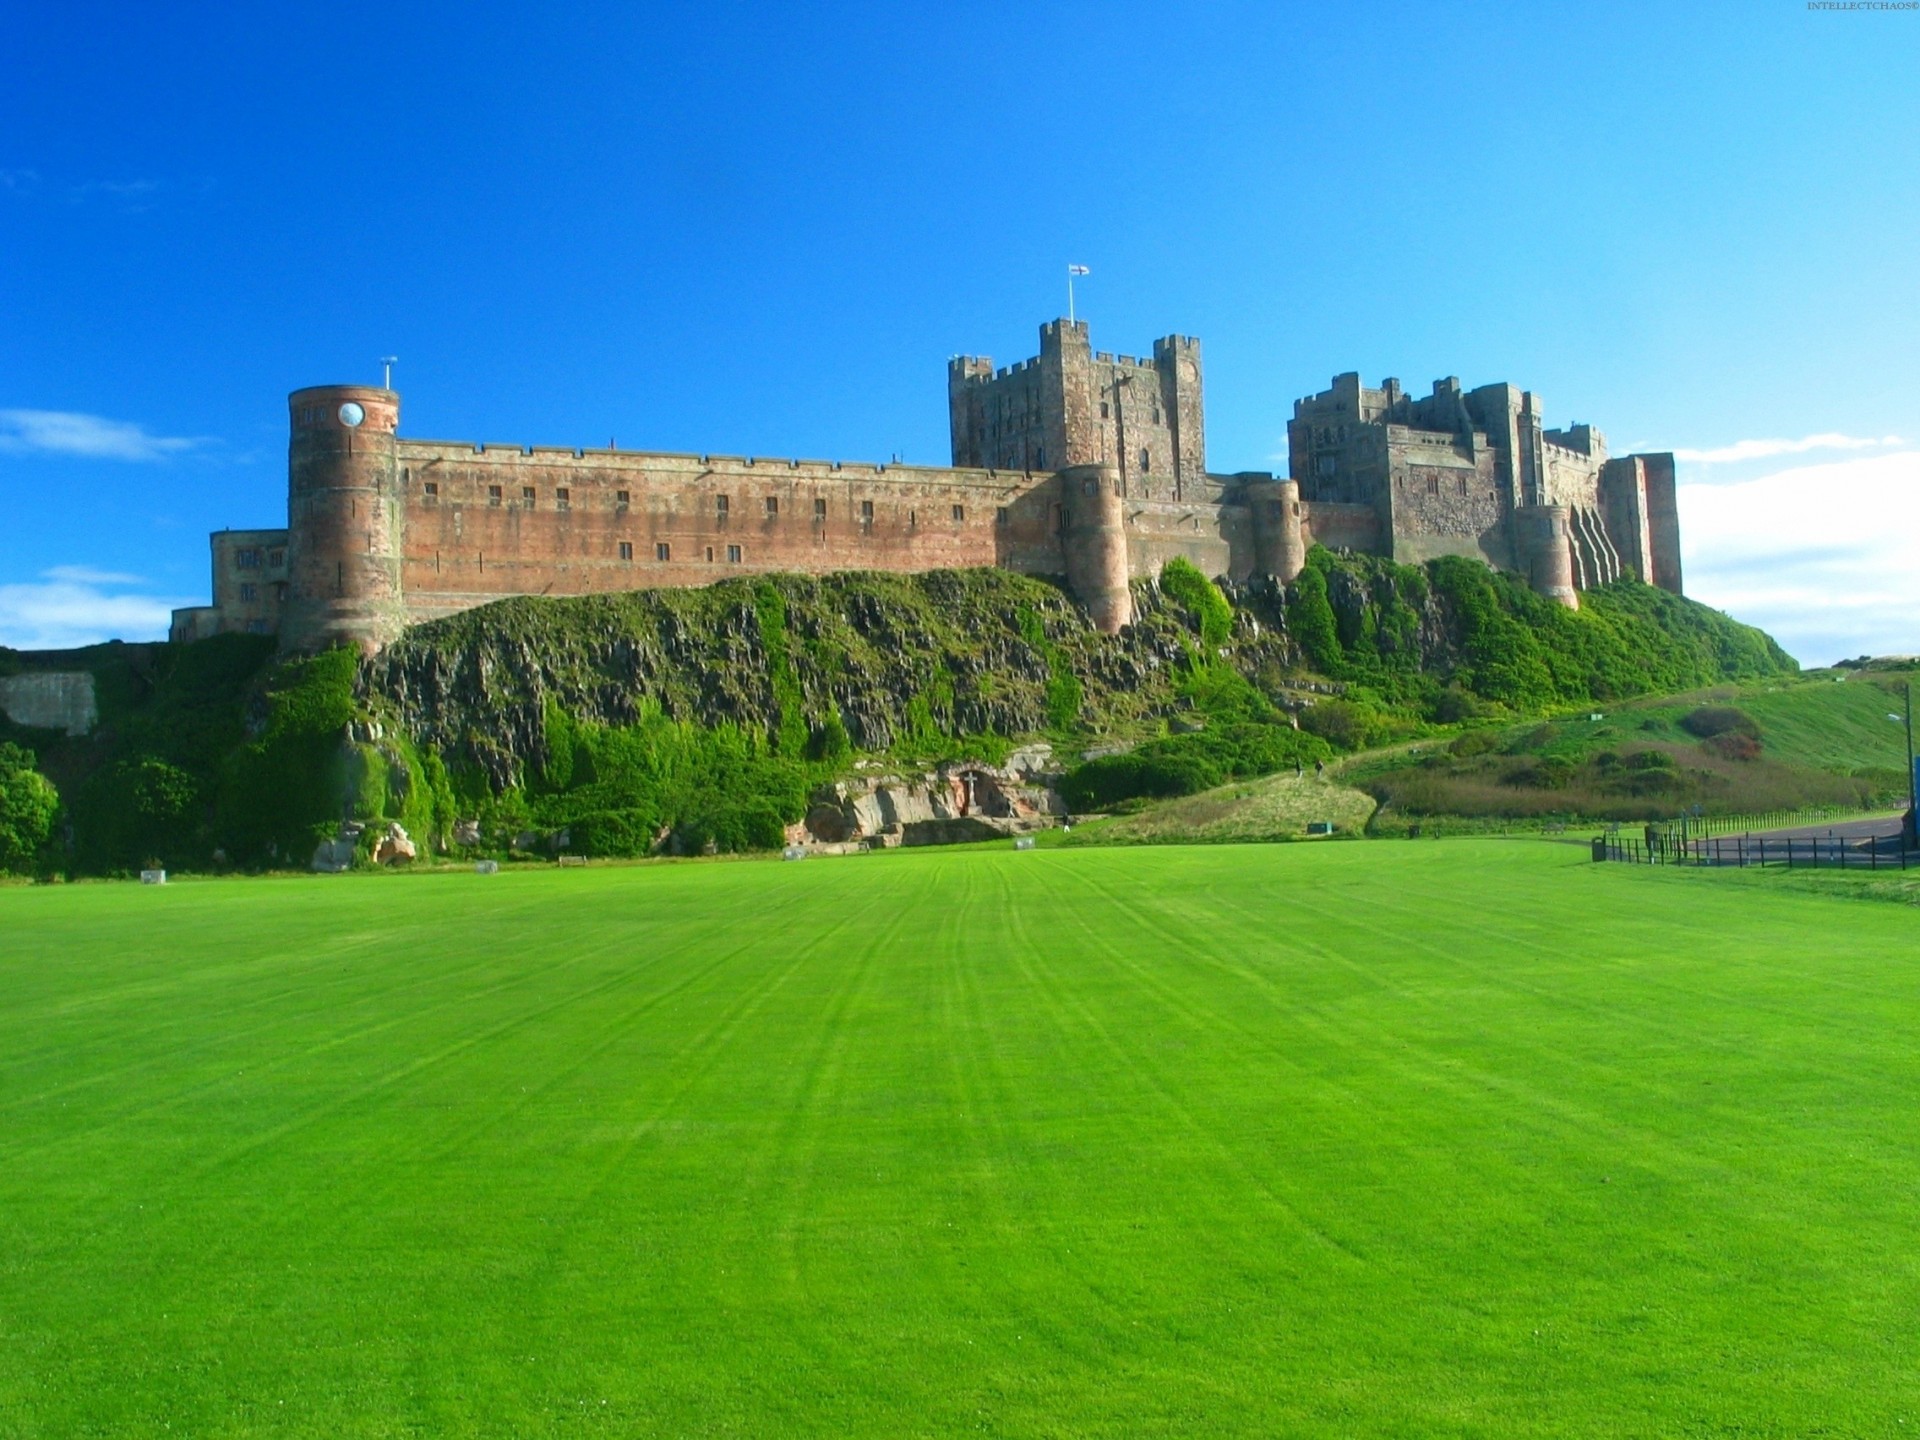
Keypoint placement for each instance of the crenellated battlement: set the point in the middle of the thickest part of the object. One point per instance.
(1085, 464)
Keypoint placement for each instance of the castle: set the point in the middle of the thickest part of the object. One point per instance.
(1076, 463)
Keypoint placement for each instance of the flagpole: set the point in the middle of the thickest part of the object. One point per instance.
(1070, 295)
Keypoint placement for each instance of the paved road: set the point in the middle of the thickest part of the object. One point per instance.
(1879, 825)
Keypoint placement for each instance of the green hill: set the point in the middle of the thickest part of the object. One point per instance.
(710, 714)
(1820, 741)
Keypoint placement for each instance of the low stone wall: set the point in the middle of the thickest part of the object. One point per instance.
(51, 700)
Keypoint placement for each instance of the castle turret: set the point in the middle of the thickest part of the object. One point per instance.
(1544, 535)
(344, 519)
(1279, 544)
(1095, 540)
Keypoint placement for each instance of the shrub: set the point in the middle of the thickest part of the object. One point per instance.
(611, 833)
(1711, 720)
(1340, 723)
(1185, 764)
(28, 805)
(1732, 745)
(829, 743)
(1214, 616)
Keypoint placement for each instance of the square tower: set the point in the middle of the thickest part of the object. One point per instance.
(1071, 405)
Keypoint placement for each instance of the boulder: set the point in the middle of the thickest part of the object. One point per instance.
(395, 845)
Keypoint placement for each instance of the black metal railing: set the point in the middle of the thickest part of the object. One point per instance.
(1807, 852)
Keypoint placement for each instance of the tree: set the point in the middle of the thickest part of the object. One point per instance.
(28, 804)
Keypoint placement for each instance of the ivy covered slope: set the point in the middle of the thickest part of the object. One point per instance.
(708, 715)
(1452, 640)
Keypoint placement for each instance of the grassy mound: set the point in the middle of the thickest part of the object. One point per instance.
(1778, 745)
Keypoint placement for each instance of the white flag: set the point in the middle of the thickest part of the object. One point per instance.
(1078, 270)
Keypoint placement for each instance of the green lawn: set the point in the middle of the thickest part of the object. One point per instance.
(1832, 725)
(1413, 1139)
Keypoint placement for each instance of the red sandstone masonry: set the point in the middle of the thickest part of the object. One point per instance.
(385, 531)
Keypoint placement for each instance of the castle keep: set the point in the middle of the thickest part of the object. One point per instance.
(1076, 463)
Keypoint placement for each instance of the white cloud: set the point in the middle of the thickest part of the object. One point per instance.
(1766, 449)
(87, 575)
(1826, 558)
(93, 437)
(74, 605)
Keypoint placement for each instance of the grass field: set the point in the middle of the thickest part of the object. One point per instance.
(1466, 1138)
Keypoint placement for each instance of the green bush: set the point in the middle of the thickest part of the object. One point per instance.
(290, 788)
(1213, 616)
(1711, 720)
(28, 805)
(1186, 764)
(1340, 723)
(621, 833)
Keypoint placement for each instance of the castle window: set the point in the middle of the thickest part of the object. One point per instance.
(276, 558)
(820, 512)
(959, 512)
(663, 551)
(720, 506)
(493, 496)
(866, 512)
(626, 549)
(1326, 464)
(1000, 515)
(709, 554)
(1106, 411)
(1156, 414)
(563, 499)
(247, 559)
(1433, 485)
(256, 627)
(622, 498)
(733, 554)
(773, 504)
(527, 496)
(1145, 463)
(432, 492)
(1039, 457)
(1463, 484)
(249, 591)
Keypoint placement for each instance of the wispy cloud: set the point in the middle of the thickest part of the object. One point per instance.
(92, 437)
(72, 605)
(19, 181)
(1767, 449)
(87, 575)
(1824, 557)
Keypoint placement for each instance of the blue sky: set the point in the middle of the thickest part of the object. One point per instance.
(763, 229)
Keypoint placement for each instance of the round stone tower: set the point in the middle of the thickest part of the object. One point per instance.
(1545, 536)
(1095, 540)
(1279, 545)
(345, 515)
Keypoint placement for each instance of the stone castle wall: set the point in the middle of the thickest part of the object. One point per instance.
(1076, 463)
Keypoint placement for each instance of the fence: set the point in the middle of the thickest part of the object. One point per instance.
(1812, 852)
(1705, 826)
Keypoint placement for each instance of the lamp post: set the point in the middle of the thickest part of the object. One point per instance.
(1912, 826)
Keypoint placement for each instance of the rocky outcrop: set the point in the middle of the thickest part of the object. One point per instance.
(393, 846)
(963, 800)
(963, 652)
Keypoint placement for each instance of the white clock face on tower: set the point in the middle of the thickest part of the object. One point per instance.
(351, 414)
